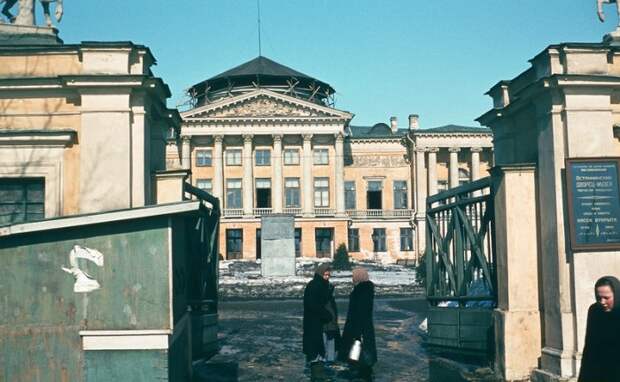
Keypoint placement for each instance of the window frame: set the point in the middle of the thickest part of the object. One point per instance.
(297, 238)
(231, 157)
(207, 189)
(353, 240)
(208, 158)
(239, 239)
(296, 157)
(320, 160)
(379, 241)
(265, 154)
(350, 195)
(402, 193)
(228, 191)
(292, 189)
(25, 186)
(407, 234)
(323, 192)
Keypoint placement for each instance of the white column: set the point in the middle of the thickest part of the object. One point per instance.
(218, 168)
(420, 178)
(248, 186)
(186, 152)
(277, 173)
(454, 166)
(432, 170)
(475, 163)
(339, 174)
(308, 206)
(420, 190)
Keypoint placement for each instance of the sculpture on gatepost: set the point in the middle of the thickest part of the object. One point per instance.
(26, 11)
(601, 13)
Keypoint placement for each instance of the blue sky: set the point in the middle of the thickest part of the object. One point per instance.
(435, 58)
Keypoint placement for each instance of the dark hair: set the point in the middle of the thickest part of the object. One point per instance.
(604, 281)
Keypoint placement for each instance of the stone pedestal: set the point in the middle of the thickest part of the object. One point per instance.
(11, 34)
(278, 245)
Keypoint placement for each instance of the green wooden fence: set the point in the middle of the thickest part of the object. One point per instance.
(460, 266)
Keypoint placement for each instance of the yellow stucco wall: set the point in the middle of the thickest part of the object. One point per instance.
(39, 65)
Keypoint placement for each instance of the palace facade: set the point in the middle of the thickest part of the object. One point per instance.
(267, 139)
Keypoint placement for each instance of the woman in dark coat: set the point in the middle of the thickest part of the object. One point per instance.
(600, 361)
(359, 324)
(316, 316)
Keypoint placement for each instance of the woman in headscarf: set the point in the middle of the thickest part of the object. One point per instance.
(600, 362)
(317, 317)
(359, 325)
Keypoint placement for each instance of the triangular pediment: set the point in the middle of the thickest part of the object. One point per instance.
(261, 104)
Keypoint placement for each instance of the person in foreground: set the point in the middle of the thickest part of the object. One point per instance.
(600, 362)
(359, 326)
(320, 323)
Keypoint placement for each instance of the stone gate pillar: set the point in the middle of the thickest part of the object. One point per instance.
(517, 319)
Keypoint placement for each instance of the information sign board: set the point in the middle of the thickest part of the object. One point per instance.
(594, 203)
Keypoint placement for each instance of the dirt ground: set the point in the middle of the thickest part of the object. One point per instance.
(261, 341)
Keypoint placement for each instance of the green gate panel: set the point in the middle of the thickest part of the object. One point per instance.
(40, 354)
(134, 278)
(126, 365)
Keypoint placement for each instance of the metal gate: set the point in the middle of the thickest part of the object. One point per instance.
(460, 266)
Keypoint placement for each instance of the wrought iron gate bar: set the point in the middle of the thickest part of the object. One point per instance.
(460, 256)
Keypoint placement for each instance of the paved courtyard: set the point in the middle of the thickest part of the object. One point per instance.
(261, 341)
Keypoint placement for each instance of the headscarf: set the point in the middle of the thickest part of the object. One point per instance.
(359, 275)
(322, 268)
(615, 288)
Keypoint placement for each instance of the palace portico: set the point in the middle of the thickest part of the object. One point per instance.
(266, 139)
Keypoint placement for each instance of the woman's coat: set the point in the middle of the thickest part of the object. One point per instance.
(359, 324)
(600, 361)
(316, 297)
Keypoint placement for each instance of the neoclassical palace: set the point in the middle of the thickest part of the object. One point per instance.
(267, 139)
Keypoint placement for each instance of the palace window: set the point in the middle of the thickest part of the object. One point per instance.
(400, 194)
(258, 244)
(204, 158)
(291, 193)
(349, 195)
(21, 200)
(234, 244)
(378, 239)
(263, 157)
(233, 193)
(354, 240)
(321, 156)
(374, 195)
(321, 192)
(233, 157)
(297, 242)
(463, 176)
(291, 156)
(323, 238)
(406, 239)
(205, 184)
(442, 185)
(263, 193)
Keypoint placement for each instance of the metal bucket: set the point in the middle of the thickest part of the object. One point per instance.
(356, 350)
